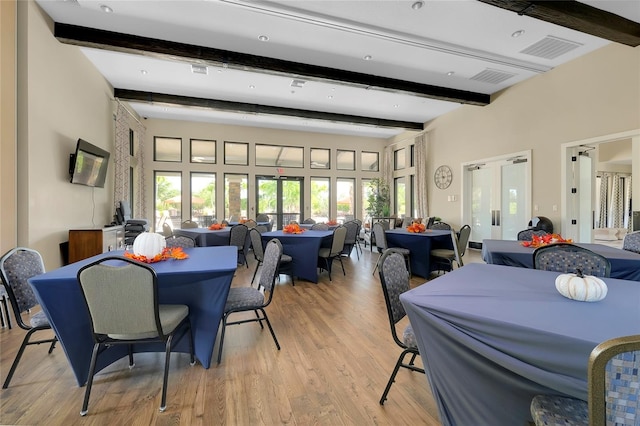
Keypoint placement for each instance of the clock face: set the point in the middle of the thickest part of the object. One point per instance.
(443, 176)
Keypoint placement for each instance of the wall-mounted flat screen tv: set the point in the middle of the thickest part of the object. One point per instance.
(88, 166)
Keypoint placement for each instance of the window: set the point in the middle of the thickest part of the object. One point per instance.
(412, 153)
(236, 153)
(365, 192)
(320, 196)
(399, 159)
(235, 195)
(279, 156)
(203, 198)
(168, 199)
(320, 158)
(369, 161)
(167, 149)
(346, 160)
(203, 151)
(400, 187)
(346, 199)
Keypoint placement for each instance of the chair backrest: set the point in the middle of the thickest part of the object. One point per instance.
(270, 266)
(188, 224)
(166, 230)
(441, 226)
(352, 232)
(250, 223)
(121, 298)
(463, 239)
(406, 221)
(337, 244)
(256, 243)
(394, 277)
(180, 241)
(380, 236)
(527, 234)
(631, 242)
(430, 222)
(614, 380)
(263, 218)
(238, 235)
(125, 208)
(309, 220)
(567, 258)
(234, 218)
(262, 228)
(16, 267)
(320, 227)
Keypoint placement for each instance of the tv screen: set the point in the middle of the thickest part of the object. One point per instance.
(89, 165)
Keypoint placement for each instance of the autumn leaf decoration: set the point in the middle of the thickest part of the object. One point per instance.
(167, 253)
(543, 240)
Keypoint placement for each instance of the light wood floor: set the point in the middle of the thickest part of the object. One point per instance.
(337, 355)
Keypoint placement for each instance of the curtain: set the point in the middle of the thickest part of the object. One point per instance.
(125, 122)
(627, 209)
(603, 207)
(387, 166)
(617, 203)
(422, 207)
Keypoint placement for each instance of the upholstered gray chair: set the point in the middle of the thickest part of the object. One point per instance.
(382, 246)
(286, 265)
(122, 303)
(394, 277)
(262, 229)
(166, 230)
(250, 223)
(309, 220)
(568, 258)
(247, 299)
(16, 267)
(5, 318)
(319, 227)
(528, 234)
(263, 218)
(351, 239)
(180, 241)
(237, 238)
(444, 258)
(188, 224)
(631, 242)
(613, 383)
(328, 254)
(441, 226)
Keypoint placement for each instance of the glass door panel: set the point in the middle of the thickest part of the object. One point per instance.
(280, 198)
(481, 212)
(513, 215)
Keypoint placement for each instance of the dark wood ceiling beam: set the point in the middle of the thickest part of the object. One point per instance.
(162, 49)
(577, 16)
(245, 108)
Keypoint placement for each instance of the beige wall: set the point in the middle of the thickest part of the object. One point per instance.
(253, 135)
(597, 94)
(61, 97)
(8, 232)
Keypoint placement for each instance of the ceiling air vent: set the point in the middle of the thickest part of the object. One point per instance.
(297, 83)
(492, 76)
(199, 69)
(550, 47)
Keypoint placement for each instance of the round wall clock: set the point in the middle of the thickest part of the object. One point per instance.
(443, 177)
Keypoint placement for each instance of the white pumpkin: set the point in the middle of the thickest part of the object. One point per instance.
(585, 288)
(149, 244)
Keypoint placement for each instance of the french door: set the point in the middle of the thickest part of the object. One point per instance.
(280, 197)
(497, 198)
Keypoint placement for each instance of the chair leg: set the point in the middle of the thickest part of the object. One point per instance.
(259, 319)
(131, 363)
(224, 326)
(273, 334)
(400, 363)
(5, 313)
(342, 264)
(23, 346)
(165, 379)
(92, 370)
(326, 261)
(255, 273)
(377, 264)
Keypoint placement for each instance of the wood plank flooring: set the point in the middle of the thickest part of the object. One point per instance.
(337, 355)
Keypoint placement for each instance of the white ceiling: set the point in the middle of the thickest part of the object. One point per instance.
(465, 37)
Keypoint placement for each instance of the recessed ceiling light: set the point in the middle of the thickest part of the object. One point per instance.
(518, 33)
(330, 97)
(450, 73)
(106, 8)
(396, 106)
(251, 86)
(367, 57)
(263, 38)
(417, 5)
(143, 72)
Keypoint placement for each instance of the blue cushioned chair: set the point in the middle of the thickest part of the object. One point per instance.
(614, 383)
(631, 242)
(394, 277)
(568, 258)
(180, 241)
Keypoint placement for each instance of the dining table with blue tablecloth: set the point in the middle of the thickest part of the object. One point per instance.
(205, 237)
(303, 249)
(624, 264)
(491, 337)
(201, 282)
(420, 245)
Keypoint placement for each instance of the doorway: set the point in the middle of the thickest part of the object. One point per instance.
(280, 197)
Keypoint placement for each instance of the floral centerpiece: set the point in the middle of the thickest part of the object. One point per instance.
(543, 240)
(243, 220)
(416, 227)
(216, 226)
(166, 254)
(293, 228)
(332, 222)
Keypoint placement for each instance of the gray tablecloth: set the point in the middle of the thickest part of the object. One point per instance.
(492, 337)
(624, 264)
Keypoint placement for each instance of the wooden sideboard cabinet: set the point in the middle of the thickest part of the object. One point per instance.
(84, 243)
